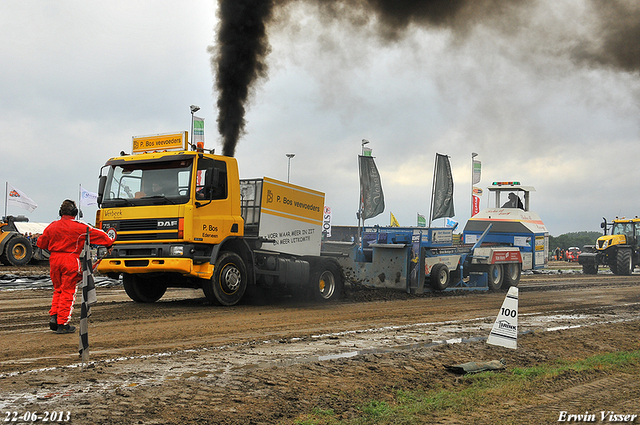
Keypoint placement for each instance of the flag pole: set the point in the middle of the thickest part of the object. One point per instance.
(433, 190)
(6, 197)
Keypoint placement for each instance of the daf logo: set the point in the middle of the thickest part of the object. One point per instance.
(167, 223)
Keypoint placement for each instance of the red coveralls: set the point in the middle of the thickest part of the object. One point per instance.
(65, 239)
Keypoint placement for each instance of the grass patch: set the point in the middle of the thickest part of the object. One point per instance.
(475, 393)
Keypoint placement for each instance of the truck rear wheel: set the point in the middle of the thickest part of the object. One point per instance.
(326, 282)
(142, 289)
(229, 280)
(17, 251)
(439, 277)
(624, 262)
(496, 276)
(512, 273)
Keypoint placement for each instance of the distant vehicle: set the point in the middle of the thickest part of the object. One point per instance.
(619, 250)
(16, 249)
(572, 254)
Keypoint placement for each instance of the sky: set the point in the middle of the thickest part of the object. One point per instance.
(533, 88)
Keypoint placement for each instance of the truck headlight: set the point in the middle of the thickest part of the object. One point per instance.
(177, 251)
(102, 251)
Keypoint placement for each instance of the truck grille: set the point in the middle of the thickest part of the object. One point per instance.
(144, 229)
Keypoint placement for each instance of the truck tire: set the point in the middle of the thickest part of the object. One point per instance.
(142, 289)
(326, 282)
(495, 276)
(512, 273)
(624, 262)
(439, 277)
(229, 280)
(590, 268)
(17, 251)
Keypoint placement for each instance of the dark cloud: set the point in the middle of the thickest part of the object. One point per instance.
(239, 58)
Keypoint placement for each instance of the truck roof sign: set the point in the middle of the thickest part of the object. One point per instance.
(160, 143)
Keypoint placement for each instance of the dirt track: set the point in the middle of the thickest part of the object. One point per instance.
(182, 360)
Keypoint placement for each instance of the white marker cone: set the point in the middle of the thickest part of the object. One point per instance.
(505, 328)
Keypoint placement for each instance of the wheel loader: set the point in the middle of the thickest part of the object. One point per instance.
(619, 250)
(15, 248)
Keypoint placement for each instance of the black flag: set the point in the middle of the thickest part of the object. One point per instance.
(371, 196)
(442, 188)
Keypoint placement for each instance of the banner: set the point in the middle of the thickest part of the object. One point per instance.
(392, 221)
(198, 130)
(476, 171)
(371, 196)
(451, 223)
(17, 198)
(87, 198)
(326, 222)
(443, 189)
(476, 205)
(422, 221)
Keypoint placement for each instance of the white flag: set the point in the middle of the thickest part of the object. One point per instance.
(19, 199)
(87, 198)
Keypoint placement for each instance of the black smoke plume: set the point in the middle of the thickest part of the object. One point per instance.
(239, 61)
(239, 58)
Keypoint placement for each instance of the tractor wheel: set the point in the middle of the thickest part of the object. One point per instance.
(590, 268)
(439, 277)
(17, 251)
(326, 282)
(229, 280)
(143, 289)
(496, 276)
(512, 272)
(624, 262)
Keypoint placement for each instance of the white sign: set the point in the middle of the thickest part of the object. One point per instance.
(505, 328)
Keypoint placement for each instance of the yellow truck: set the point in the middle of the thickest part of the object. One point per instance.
(184, 218)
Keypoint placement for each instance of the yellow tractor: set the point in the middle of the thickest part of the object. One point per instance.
(618, 250)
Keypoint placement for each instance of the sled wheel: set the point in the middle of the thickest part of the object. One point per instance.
(496, 275)
(439, 277)
(512, 274)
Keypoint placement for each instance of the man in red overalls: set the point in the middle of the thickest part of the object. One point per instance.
(64, 238)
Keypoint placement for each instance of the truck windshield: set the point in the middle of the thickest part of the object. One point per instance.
(622, 229)
(148, 183)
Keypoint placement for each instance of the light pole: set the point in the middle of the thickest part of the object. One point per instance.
(194, 109)
(289, 155)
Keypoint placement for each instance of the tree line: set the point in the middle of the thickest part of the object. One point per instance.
(578, 239)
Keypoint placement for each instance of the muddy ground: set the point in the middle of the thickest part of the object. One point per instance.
(182, 360)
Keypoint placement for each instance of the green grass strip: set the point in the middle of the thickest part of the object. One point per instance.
(474, 392)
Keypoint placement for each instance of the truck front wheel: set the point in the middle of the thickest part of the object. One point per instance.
(590, 268)
(142, 289)
(326, 282)
(229, 280)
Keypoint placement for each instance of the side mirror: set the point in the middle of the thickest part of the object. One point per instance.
(101, 185)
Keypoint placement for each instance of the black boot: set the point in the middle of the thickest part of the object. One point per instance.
(66, 329)
(53, 322)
